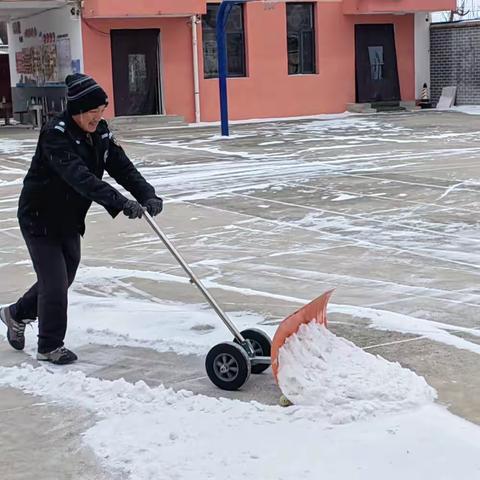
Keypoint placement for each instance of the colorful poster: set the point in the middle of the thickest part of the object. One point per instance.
(49, 62)
(27, 61)
(37, 70)
(19, 62)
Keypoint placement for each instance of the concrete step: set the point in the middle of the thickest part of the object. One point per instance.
(387, 108)
(381, 107)
(145, 121)
(360, 108)
(385, 103)
(410, 105)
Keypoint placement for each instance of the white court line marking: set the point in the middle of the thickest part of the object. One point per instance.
(360, 243)
(397, 342)
(358, 217)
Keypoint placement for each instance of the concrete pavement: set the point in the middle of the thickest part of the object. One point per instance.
(383, 208)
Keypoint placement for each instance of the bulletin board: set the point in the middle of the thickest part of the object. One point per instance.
(49, 61)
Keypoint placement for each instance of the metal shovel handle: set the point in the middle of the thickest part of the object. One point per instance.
(223, 316)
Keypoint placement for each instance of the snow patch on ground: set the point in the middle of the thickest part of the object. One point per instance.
(397, 322)
(165, 327)
(468, 109)
(344, 196)
(157, 434)
(317, 368)
(9, 146)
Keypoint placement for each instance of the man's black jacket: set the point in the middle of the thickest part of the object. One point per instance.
(65, 176)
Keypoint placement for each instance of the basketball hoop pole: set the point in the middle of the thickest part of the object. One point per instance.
(222, 17)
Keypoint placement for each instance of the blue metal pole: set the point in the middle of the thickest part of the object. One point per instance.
(222, 17)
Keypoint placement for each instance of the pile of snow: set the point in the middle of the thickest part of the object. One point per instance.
(317, 368)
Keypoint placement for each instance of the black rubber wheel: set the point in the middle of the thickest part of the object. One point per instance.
(228, 366)
(262, 346)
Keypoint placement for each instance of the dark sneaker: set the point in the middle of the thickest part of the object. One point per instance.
(59, 356)
(15, 330)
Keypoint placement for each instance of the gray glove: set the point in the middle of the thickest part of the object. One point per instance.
(132, 209)
(154, 206)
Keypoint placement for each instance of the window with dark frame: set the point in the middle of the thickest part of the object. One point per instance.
(301, 38)
(235, 38)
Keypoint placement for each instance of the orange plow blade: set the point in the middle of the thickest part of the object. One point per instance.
(315, 311)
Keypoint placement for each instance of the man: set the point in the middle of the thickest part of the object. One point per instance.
(65, 176)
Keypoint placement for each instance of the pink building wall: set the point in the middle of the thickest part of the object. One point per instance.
(141, 8)
(396, 6)
(176, 58)
(268, 90)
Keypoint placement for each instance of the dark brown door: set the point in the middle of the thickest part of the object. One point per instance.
(376, 64)
(135, 62)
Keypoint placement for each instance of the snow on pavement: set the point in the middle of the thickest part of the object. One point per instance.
(373, 420)
(159, 434)
(194, 328)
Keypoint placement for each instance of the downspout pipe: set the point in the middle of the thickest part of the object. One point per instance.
(196, 77)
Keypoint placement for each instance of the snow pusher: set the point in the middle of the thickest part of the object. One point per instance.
(315, 311)
(229, 364)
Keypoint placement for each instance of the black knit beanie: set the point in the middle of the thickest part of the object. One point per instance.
(83, 94)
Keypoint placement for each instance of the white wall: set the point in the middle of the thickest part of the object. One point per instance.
(422, 51)
(60, 22)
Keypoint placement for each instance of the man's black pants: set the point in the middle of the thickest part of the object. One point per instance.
(55, 260)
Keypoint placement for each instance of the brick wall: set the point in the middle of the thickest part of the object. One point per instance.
(455, 61)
